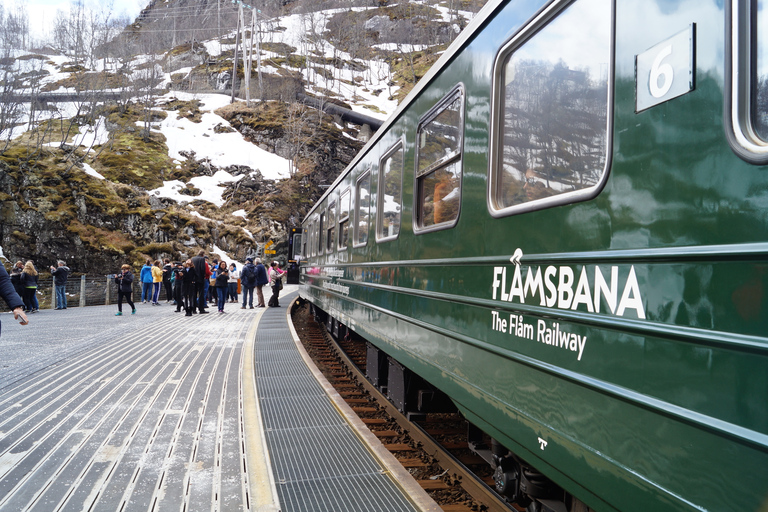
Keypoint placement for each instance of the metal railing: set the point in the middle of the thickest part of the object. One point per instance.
(84, 290)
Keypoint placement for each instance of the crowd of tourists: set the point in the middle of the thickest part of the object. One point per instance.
(199, 281)
(25, 279)
(191, 285)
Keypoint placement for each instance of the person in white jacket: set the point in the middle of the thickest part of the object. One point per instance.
(234, 279)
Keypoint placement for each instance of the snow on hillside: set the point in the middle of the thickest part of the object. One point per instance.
(366, 91)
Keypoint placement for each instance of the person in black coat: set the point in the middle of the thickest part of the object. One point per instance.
(178, 277)
(29, 280)
(189, 287)
(124, 282)
(16, 271)
(201, 275)
(11, 297)
(167, 271)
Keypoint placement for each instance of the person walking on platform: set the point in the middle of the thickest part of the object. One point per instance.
(248, 280)
(29, 280)
(124, 281)
(234, 280)
(167, 273)
(276, 282)
(16, 271)
(262, 279)
(157, 281)
(222, 285)
(146, 282)
(201, 278)
(189, 290)
(11, 298)
(60, 275)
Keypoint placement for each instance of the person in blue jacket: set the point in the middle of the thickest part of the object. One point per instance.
(11, 297)
(146, 282)
(248, 282)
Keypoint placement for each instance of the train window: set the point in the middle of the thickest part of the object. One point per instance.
(362, 209)
(389, 205)
(311, 251)
(747, 80)
(439, 163)
(760, 112)
(331, 223)
(321, 231)
(304, 243)
(550, 123)
(316, 236)
(344, 209)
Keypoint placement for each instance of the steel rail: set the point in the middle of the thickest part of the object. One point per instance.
(475, 487)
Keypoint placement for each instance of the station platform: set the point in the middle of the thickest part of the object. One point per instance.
(158, 411)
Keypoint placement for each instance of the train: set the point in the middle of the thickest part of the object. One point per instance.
(562, 233)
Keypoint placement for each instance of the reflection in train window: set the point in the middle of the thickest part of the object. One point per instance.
(344, 209)
(362, 208)
(389, 205)
(331, 223)
(549, 141)
(313, 236)
(760, 109)
(438, 163)
(321, 230)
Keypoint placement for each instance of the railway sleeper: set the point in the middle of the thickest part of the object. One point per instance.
(514, 479)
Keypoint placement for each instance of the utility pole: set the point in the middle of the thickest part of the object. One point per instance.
(237, 46)
(258, 57)
(248, 61)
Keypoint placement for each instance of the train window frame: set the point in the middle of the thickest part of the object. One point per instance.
(344, 220)
(358, 209)
(315, 235)
(457, 157)
(380, 196)
(740, 81)
(330, 236)
(312, 237)
(516, 42)
(321, 232)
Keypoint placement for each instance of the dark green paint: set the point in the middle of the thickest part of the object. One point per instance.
(662, 413)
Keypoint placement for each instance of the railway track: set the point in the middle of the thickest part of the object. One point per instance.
(434, 450)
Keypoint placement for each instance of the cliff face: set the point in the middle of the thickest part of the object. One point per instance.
(52, 209)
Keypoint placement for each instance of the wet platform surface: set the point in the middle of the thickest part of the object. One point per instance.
(157, 411)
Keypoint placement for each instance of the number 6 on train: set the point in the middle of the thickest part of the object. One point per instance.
(666, 70)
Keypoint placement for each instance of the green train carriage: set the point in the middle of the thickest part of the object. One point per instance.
(564, 229)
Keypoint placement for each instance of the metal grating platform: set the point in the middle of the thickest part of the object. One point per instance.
(128, 413)
(319, 463)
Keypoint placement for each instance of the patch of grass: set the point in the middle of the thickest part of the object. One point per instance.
(187, 109)
(88, 81)
(132, 160)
